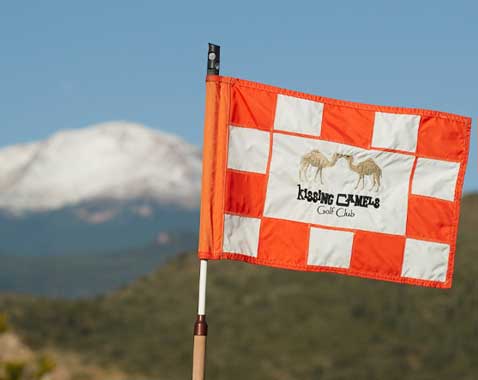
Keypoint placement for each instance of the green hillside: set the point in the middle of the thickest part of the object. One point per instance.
(270, 324)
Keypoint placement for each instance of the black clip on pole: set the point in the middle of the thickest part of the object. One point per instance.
(213, 59)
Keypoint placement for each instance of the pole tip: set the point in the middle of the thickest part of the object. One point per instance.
(213, 59)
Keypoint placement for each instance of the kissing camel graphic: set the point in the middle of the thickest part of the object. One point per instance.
(365, 168)
(319, 161)
(316, 159)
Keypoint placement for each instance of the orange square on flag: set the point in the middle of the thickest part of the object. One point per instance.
(441, 138)
(377, 253)
(252, 108)
(347, 125)
(245, 193)
(431, 219)
(284, 241)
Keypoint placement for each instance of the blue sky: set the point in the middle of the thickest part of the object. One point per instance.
(71, 64)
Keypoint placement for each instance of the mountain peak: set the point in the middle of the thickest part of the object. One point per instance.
(114, 161)
(116, 130)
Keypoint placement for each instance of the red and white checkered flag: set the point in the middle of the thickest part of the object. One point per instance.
(303, 182)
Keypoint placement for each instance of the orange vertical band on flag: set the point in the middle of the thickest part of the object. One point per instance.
(214, 168)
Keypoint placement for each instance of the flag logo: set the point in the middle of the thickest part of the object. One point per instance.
(317, 160)
(303, 182)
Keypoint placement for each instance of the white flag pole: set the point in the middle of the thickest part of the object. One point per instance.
(202, 287)
(200, 327)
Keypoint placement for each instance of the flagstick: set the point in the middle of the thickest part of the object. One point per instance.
(200, 327)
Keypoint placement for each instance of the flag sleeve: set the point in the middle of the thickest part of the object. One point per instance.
(214, 168)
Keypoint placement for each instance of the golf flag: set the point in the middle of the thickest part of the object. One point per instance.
(303, 182)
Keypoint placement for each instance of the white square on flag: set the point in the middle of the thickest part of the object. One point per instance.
(435, 178)
(330, 248)
(241, 234)
(425, 260)
(395, 131)
(248, 149)
(298, 115)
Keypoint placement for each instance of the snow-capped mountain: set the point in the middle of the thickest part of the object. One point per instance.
(88, 210)
(115, 161)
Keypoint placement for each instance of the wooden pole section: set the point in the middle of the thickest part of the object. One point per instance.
(200, 327)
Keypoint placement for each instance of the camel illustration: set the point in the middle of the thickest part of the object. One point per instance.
(317, 160)
(365, 168)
